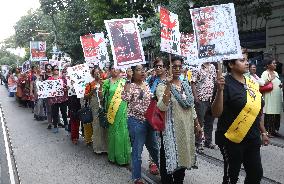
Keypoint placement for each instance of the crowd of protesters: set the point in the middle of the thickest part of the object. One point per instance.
(190, 100)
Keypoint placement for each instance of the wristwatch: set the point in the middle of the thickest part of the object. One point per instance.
(264, 133)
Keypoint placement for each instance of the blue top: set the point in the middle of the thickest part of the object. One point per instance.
(153, 83)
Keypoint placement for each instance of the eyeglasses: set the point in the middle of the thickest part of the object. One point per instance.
(159, 66)
(140, 69)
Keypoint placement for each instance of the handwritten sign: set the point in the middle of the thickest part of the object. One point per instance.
(216, 32)
(50, 88)
(170, 35)
(125, 42)
(79, 77)
(95, 49)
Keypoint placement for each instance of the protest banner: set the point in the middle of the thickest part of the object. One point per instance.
(79, 77)
(95, 49)
(50, 88)
(38, 50)
(170, 35)
(42, 64)
(125, 42)
(26, 66)
(5, 70)
(188, 47)
(216, 32)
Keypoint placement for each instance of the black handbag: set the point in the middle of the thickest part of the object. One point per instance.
(85, 114)
(102, 112)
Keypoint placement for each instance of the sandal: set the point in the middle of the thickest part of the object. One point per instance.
(210, 146)
(139, 181)
(154, 169)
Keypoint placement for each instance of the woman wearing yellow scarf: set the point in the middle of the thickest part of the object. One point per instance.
(118, 136)
(238, 104)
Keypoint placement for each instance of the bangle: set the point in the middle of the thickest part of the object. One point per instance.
(165, 95)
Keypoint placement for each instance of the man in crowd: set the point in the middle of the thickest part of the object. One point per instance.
(203, 80)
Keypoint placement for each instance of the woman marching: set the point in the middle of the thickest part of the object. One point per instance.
(238, 105)
(58, 102)
(39, 113)
(118, 135)
(138, 96)
(177, 151)
(92, 93)
(273, 99)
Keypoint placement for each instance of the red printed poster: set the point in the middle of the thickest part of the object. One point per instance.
(125, 42)
(95, 49)
(170, 35)
(188, 47)
(38, 50)
(216, 32)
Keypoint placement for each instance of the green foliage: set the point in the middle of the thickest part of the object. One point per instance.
(74, 22)
(8, 58)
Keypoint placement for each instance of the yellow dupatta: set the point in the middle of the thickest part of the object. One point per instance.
(241, 125)
(115, 103)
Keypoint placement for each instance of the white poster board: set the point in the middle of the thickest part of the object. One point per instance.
(95, 49)
(80, 76)
(216, 32)
(50, 88)
(170, 35)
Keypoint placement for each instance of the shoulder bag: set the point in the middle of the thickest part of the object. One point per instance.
(85, 114)
(155, 116)
(102, 112)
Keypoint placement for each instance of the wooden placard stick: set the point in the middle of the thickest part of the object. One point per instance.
(171, 67)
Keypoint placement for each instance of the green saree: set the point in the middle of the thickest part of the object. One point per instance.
(118, 136)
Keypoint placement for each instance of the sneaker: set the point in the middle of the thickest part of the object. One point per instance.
(139, 181)
(61, 125)
(55, 130)
(210, 146)
(154, 169)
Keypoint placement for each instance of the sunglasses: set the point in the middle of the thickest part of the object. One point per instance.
(56, 69)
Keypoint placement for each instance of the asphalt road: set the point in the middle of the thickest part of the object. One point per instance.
(46, 158)
(4, 170)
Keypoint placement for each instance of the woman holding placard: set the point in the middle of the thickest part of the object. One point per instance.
(177, 151)
(118, 136)
(238, 104)
(58, 102)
